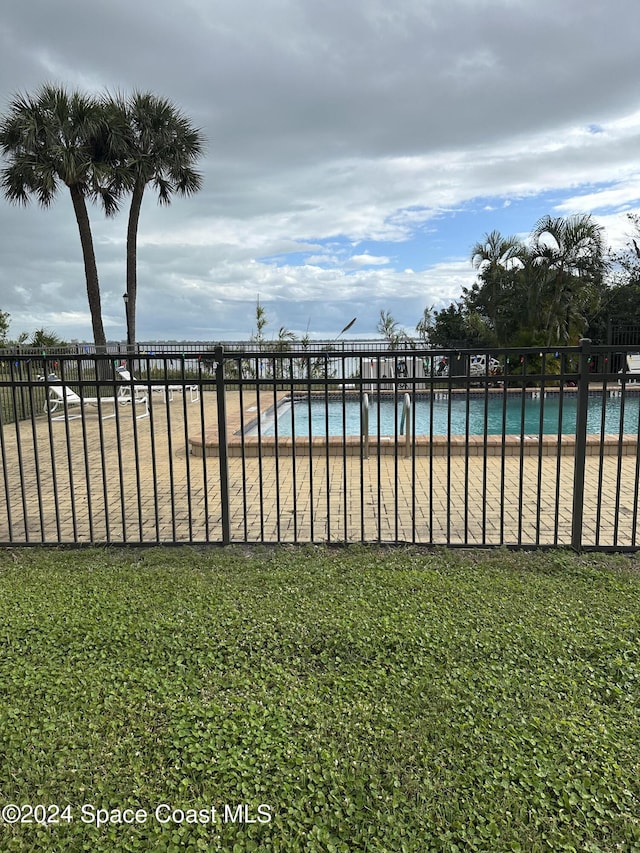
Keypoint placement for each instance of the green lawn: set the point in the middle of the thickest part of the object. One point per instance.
(346, 700)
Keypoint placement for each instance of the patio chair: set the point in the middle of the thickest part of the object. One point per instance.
(156, 387)
(632, 368)
(62, 398)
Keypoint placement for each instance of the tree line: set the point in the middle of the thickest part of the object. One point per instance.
(559, 285)
(101, 148)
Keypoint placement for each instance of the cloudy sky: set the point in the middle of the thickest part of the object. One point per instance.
(356, 149)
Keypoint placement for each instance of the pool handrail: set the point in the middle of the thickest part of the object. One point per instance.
(364, 424)
(405, 423)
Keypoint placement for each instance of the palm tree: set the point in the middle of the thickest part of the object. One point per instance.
(59, 138)
(390, 329)
(425, 325)
(495, 251)
(495, 257)
(159, 147)
(570, 251)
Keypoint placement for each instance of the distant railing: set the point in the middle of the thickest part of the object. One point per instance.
(532, 447)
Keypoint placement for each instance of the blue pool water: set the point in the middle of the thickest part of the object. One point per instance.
(513, 414)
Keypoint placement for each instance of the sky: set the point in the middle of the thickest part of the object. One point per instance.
(355, 152)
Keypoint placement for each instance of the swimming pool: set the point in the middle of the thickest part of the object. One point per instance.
(453, 414)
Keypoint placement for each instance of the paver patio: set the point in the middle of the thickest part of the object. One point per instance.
(135, 481)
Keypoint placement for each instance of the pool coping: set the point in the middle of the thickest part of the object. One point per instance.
(422, 445)
(240, 444)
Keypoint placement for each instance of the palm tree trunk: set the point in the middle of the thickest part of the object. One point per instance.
(132, 260)
(103, 370)
(90, 268)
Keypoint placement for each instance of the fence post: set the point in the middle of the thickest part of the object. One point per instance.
(223, 456)
(581, 444)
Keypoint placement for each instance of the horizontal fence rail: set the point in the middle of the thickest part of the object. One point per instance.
(340, 442)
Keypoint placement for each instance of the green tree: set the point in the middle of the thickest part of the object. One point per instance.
(425, 325)
(620, 305)
(269, 367)
(283, 344)
(258, 337)
(4, 327)
(626, 263)
(497, 260)
(157, 147)
(390, 329)
(458, 326)
(58, 138)
(450, 326)
(45, 339)
(516, 318)
(569, 251)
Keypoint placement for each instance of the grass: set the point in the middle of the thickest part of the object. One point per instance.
(348, 700)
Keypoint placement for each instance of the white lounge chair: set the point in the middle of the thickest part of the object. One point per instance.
(632, 369)
(61, 398)
(156, 387)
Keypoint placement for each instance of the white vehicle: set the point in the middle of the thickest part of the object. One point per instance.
(478, 366)
(441, 366)
(632, 369)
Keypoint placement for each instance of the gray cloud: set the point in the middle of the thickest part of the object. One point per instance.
(359, 121)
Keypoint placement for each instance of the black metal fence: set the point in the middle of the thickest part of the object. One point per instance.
(330, 443)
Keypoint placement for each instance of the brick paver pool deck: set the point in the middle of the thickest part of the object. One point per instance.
(81, 482)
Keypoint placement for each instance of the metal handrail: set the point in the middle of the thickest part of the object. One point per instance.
(364, 424)
(405, 422)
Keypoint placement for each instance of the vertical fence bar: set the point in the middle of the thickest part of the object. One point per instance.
(485, 408)
(327, 461)
(277, 372)
(603, 430)
(171, 467)
(467, 412)
(541, 433)
(259, 374)
(581, 444)
(449, 496)
(53, 471)
(559, 434)
(364, 445)
(304, 366)
(21, 462)
(5, 472)
(636, 487)
(503, 451)
(223, 454)
(394, 402)
(201, 421)
(243, 446)
(164, 393)
(620, 449)
(523, 420)
(185, 420)
(310, 453)
(379, 388)
(432, 399)
(345, 466)
(36, 453)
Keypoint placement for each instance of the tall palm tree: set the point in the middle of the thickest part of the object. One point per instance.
(160, 147)
(570, 251)
(494, 257)
(495, 251)
(56, 138)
